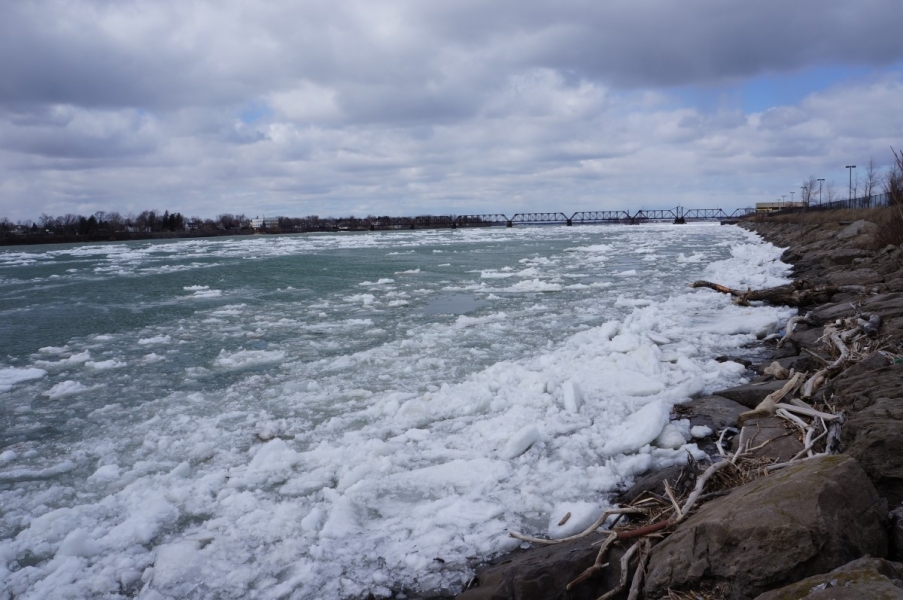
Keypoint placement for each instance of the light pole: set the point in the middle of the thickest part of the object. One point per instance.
(804, 197)
(783, 200)
(850, 194)
(819, 191)
(791, 198)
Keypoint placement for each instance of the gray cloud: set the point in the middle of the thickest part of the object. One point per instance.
(411, 106)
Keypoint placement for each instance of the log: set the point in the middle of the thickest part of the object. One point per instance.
(798, 293)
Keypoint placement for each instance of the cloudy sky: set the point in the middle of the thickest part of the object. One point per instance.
(336, 107)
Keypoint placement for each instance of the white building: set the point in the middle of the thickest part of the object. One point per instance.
(265, 223)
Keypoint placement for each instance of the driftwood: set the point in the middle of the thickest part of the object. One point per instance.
(799, 293)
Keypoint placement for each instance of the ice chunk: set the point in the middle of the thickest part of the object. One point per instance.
(700, 431)
(580, 515)
(572, 396)
(520, 442)
(639, 429)
(68, 388)
(670, 437)
(105, 473)
(247, 358)
(10, 377)
(78, 543)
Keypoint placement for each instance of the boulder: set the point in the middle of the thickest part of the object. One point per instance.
(716, 412)
(794, 523)
(874, 437)
(782, 442)
(807, 338)
(844, 256)
(857, 228)
(543, 573)
(865, 578)
(863, 276)
(751, 394)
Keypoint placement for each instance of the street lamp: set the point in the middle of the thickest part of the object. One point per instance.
(819, 191)
(791, 198)
(850, 194)
(804, 197)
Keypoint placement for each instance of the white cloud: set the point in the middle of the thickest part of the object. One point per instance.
(410, 107)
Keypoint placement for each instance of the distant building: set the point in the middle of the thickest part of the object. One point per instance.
(767, 207)
(265, 223)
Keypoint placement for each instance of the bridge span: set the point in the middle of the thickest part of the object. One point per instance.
(678, 215)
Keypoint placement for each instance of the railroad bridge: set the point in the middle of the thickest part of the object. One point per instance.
(678, 215)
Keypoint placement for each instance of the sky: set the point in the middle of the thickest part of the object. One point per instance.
(410, 107)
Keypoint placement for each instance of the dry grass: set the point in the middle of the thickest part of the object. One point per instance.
(888, 218)
(890, 226)
(818, 217)
(705, 591)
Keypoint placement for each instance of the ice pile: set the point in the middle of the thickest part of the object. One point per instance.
(330, 467)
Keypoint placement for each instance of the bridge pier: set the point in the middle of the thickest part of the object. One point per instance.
(680, 221)
(570, 223)
(509, 224)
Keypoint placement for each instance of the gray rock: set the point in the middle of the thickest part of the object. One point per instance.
(807, 338)
(865, 578)
(834, 310)
(796, 522)
(843, 256)
(857, 228)
(782, 442)
(542, 573)
(874, 437)
(750, 394)
(887, 305)
(862, 276)
(715, 412)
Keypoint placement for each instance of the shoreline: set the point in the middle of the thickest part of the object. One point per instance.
(720, 550)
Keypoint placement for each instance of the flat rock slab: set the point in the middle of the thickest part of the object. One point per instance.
(782, 443)
(864, 579)
(794, 523)
(716, 412)
(862, 276)
(751, 394)
(874, 437)
(542, 573)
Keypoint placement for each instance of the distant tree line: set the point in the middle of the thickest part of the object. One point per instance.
(146, 222)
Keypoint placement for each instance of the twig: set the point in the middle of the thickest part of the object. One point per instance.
(809, 412)
(598, 523)
(808, 448)
(625, 572)
(721, 440)
(597, 565)
(640, 572)
(792, 418)
(671, 498)
(700, 484)
(793, 462)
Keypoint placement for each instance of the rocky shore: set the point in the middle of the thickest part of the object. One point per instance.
(826, 526)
